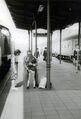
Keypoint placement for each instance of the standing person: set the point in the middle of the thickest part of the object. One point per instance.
(36, 54)
(45, 54)
(77, 59)
(30, 65)
(16, 62)
(13, 73)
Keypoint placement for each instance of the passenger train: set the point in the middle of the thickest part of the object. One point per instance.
(69, 42)
(5, 51)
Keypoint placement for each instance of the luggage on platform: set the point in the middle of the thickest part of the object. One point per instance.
(43, 82)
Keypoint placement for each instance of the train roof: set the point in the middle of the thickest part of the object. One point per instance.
(62, 13)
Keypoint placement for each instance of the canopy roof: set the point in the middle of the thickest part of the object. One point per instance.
(62, 13)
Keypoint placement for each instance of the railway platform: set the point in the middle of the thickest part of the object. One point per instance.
(63, 101)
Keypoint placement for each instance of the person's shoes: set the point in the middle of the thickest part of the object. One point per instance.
(76, 71)
(28, 87)
(34, 87)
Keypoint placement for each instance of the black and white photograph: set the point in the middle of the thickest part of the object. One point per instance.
(40, 59)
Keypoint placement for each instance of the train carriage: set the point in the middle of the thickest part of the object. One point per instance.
(5, 51)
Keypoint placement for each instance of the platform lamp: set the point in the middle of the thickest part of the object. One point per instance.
(40, 9)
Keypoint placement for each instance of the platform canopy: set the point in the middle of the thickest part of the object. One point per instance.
(62, 13)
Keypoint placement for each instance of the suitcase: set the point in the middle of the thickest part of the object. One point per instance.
(43, 82)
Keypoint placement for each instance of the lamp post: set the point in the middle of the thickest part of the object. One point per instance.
(40, 9)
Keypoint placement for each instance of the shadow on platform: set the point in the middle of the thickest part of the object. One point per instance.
(19, 84)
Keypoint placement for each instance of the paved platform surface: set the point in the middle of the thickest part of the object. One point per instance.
(63, 101)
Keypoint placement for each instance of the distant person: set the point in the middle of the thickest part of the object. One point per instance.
(30, 65)
(45, 54)
(36, 54)
(77, 59)
(41, 52)
(80, 59)
(16, 61)
(13, 73)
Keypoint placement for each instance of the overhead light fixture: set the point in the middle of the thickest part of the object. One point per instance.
(41, 7)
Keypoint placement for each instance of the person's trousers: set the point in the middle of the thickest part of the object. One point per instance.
(31, 75)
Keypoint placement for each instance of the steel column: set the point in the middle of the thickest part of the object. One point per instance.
(60, 44)
(79, 35)
(51, 46)
(48, 45)
(29, 39)
(78, 65)
(36, 38)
